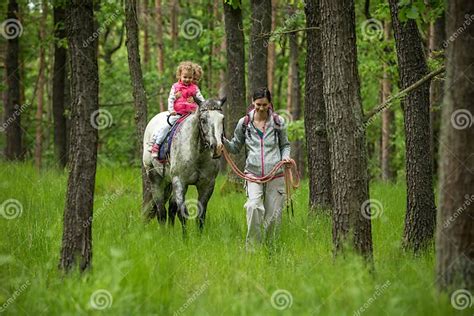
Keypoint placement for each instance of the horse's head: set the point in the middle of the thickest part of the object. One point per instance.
(211, 124)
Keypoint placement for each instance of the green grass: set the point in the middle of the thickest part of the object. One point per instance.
(149, 269)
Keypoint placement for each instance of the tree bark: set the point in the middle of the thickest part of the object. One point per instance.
(272, 49)
(437, 38)
(346, 133)
(59, 85)
(41, 85)
(77, 233)
(317, 146)
(13, 108)
(421, 211)
(174, 23)
(388, 118)
(235, 89)
(261, 18)
(146, 45)
(294, 94)
(139, 93)
(455, 230)
(160, 63)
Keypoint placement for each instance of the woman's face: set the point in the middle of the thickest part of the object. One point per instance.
(261, 105)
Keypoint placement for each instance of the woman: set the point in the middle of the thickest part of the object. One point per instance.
(266, 141)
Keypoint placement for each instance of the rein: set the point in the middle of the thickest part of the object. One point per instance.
(290, 171)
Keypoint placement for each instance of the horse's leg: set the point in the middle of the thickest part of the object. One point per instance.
(172, 209)
(179, 195)
(157, 190)
(205, 190)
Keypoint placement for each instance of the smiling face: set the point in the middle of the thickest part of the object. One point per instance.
(186, 77)
(261, 105)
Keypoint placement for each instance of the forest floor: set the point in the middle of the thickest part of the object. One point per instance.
(143, 269)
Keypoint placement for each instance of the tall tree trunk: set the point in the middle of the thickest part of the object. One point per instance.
(272, 49)
(160, 63)
(421, 211)
(139, 95)
(13, 108)
(174, 23)
(146, 44)
(455, 232)
(317, 146)
(437, 38)
(294, 94)
(59, 78)
(388, 118)
(346, 133)
(77, 233)
(235, 89)
(41, 86)
(258, 47)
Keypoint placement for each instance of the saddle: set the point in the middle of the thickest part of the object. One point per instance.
(165, 147)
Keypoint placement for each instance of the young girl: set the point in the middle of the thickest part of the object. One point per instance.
(180, 100)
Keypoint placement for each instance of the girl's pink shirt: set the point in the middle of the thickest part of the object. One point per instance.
(181, 105)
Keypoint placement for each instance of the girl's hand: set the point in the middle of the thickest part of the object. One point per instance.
(178, 94)
(173, 113)
(190, 100)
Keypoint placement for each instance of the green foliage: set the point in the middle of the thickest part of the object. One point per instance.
(148, 269)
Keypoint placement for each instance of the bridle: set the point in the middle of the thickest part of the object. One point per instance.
(202, 134)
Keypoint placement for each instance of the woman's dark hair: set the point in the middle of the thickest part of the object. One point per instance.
(262, 93)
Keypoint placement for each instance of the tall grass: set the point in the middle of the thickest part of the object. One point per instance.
(150, 269)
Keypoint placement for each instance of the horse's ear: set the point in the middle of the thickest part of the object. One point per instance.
(222, 101)
(198, 102)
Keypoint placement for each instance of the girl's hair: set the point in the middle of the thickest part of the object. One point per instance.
(197, 70)
(262, 93)
(184, 66)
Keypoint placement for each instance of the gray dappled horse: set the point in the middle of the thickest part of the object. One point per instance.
(193, 161)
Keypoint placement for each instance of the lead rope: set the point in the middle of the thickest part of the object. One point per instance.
(289, 169)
